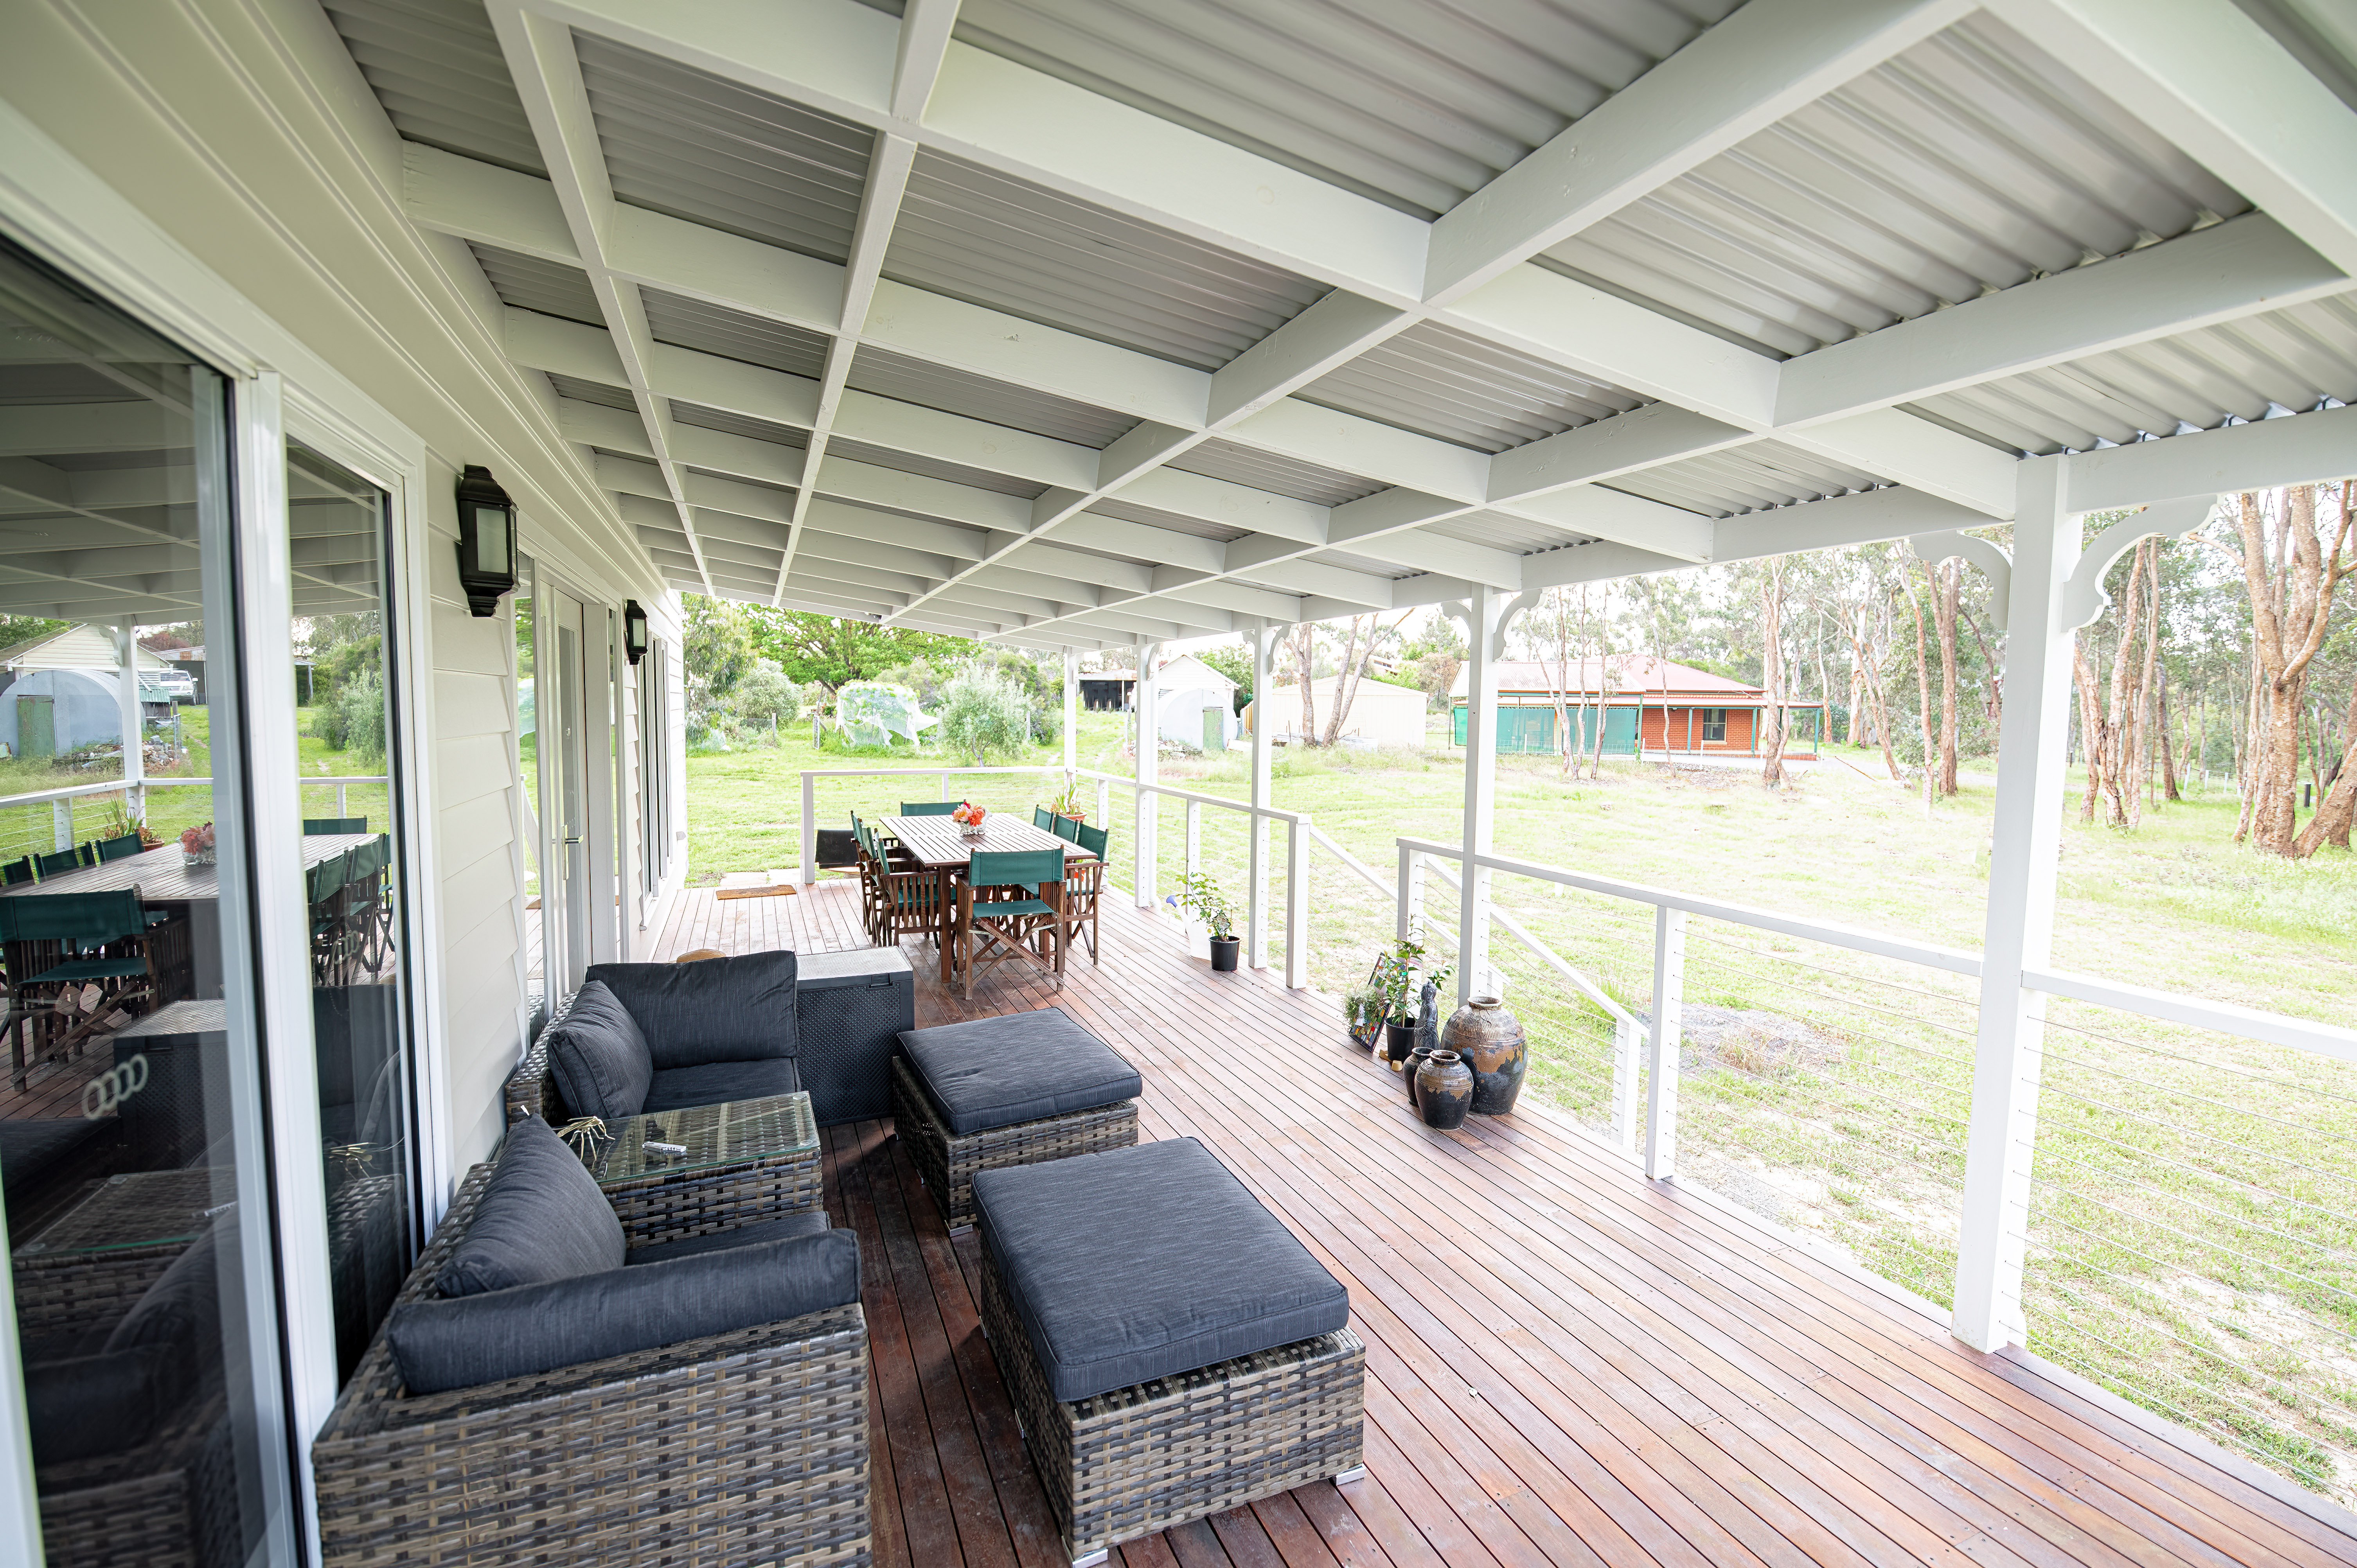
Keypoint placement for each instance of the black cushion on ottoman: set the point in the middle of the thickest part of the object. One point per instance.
(996, 1072)
(717, 1083)
(1147, 1261)
(720, 1010)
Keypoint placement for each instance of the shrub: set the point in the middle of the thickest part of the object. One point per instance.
(984, 716)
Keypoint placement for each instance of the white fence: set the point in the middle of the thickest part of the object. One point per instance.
(62, 801)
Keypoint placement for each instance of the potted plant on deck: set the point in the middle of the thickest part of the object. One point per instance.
(1398, 976)
(1200, 899)
(1068, 804)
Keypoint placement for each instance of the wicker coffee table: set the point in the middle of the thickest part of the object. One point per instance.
(746, 1160)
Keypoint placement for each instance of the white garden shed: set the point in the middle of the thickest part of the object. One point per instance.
(1194, 704)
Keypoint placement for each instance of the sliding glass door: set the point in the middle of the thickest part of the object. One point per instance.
(141, 1341)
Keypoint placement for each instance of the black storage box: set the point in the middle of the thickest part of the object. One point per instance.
(849, 1011)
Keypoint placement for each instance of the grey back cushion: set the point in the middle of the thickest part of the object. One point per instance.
(441, 1345)
(541, 1218)
(598, 1056)
(718, 1010)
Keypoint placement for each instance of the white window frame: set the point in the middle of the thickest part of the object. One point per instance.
(53, 205)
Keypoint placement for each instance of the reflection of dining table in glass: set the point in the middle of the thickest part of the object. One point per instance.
(116, 1239)
(939, 845)
(164, 877)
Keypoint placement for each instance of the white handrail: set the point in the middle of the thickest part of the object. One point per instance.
(1929, 954)
(2223, 1017)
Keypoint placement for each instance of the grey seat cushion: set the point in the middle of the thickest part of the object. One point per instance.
(88, 1405)
(996, 1072)
(717, 1083)
(598, 1057)
(1146, 1262)
(783, 1228)
(541, 1218)
(489, 1339)
(720, 1010)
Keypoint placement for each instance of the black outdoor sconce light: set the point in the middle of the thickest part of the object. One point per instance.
(486, 546)
(634, 631)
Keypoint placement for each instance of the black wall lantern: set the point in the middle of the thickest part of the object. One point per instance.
(486, 546)
(634, 631)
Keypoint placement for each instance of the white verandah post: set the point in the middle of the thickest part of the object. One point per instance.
(1256, 944)
(2025, 843)
(1485, 614)
(1149, 759)
(1071, 710)
(135, 731)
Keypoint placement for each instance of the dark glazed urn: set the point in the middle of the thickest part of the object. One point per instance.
(1491, 1041)
(1416, 1060)
(1444, 1091)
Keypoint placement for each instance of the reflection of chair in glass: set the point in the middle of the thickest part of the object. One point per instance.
(366, 906)
(58, 865)
(331, 932)
(57, 946)
(117, 848)
(17, 870)
(1000, 910)
(928, 808)
(335, 825)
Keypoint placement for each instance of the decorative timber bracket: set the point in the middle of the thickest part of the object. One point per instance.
(1933, 548)
(2084, 596)
(1461, 611)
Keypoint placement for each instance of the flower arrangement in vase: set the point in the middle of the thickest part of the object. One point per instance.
(197, 845)
(968, 817)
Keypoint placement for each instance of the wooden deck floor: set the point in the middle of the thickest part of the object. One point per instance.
(1568, 1364)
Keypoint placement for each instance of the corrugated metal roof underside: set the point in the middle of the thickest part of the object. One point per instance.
(994, 240)
(1974, 161)
(1154, 517)
(1368, 564)
(932, 467)
(1416, 106)
(2290, 358)
(436, 68)
(1438, 381)
(732, 333)
(1756, 478)
(597, 392)
(1499, 532)
(699, 146)
(1303, 482)
(723, 420)
(529, 282)
(886, 374)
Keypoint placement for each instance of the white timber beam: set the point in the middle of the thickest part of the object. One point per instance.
(2211, 80)
(2261, 455)
(1769, 59)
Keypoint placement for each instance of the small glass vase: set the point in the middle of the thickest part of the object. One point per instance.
(201, 856)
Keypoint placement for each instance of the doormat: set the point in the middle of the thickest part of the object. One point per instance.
(756, 885)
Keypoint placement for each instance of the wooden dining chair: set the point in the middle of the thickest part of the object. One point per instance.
(909, 898)
(16, 871)
(872, 867)
(331, 946)
(57, 865)
(1084, 888)
(1066, 828)
(999, 910)
(334, 825)
(1043, 819)
(121, 847)
(928, 808)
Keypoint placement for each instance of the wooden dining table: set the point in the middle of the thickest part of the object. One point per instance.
(939, 845)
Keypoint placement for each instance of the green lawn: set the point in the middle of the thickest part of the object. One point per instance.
(2192, 1239)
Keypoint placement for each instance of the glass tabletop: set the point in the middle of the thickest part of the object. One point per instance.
(779, 1127)
(140, 1208)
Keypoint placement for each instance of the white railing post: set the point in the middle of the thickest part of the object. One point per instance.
(1194, 837)
(1105, 802)
(1071, 710)
(135, 726)
(342, 808)
(2025, 844)
(946, 786)
(1625, 1084)
(810, 829)
(61, 821)
(1661, 1059)
(1296, 903)
(1257, 825)
(1149, 767)
(1411, 890)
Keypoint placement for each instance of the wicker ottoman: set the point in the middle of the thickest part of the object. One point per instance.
(1011, 1090)
(1172, 1351)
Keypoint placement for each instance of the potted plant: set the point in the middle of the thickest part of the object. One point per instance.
(1399, 974)
(1068, 804)
(1201, 898)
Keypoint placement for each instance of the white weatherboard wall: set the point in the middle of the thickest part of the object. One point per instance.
(206, 117)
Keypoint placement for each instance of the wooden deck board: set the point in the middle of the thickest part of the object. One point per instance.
(1568, 1364)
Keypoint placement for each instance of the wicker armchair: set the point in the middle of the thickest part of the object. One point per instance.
(740, 1448)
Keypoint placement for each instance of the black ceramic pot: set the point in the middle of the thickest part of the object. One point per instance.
(1444, 1091)
(1416, 1060)
(1399, 1038)
(1223, 954)
(1491, 1041)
